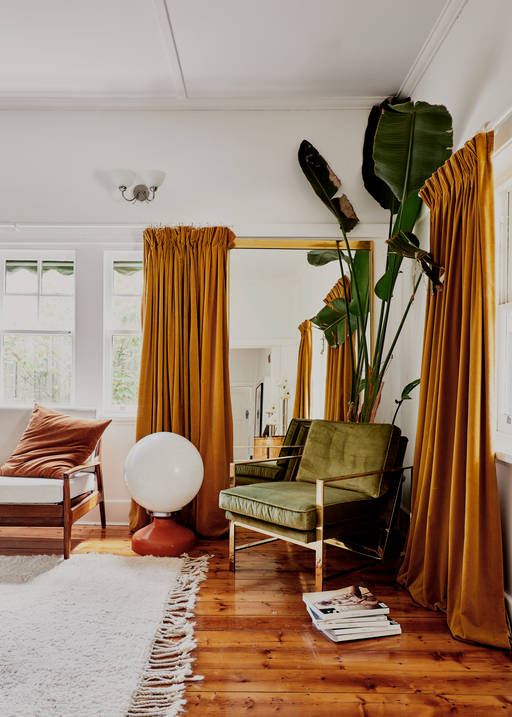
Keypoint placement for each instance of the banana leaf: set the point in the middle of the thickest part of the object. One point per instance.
(321, 257)
(332, 321)
(374, 185)
(406, 244)
(411, 142)
(326, 185)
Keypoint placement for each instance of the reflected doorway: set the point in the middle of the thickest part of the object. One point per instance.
(241, 399)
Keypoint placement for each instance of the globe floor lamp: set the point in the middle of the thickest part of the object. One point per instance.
(163, 472)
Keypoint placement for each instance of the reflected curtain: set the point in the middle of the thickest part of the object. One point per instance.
(339, 369)
(184, 374)
(454, 559)
(302, 403)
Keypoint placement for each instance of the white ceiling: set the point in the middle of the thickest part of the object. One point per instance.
(216, 53)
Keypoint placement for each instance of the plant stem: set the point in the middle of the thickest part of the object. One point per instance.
(388, 357)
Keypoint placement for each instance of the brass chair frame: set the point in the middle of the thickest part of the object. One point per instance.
(377, 555)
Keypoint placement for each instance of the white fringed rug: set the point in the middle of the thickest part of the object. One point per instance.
(96, 635)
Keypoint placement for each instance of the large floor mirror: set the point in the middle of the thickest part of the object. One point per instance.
(272, 290)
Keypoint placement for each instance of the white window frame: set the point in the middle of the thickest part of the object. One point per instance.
(504, 306)
(36, 255)
(109, 258)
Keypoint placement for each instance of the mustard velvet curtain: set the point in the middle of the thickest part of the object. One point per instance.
(302, 403)
(184, 374)
(339, 368)
(454, 559)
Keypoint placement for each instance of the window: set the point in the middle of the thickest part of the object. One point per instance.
(37, 329)
(504, 323)
(123, 339)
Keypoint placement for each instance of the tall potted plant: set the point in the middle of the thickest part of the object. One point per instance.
(404, 144)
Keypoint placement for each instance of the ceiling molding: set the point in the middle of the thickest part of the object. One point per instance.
(164, 20)
(158, 103)
(431, 47)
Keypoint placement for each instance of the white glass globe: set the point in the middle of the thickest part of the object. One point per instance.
(163, 472)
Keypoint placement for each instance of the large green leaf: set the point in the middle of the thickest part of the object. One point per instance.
(411, 142)
(320, 257)
(326, 185)
(375, 186)
(331, 319)
(406, 244)
(360, 275)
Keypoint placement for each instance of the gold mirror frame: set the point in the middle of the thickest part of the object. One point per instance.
(308, 244)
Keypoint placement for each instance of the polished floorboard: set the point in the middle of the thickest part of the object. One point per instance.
(260, 655)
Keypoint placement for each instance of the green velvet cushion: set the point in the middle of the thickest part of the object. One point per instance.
(336, 448)
(293, 505)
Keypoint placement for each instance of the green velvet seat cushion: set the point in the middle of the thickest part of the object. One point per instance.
(293, 505)
(336, 448)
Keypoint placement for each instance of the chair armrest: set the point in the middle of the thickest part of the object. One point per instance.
(362, 475)
(84, 466)
(320, 487)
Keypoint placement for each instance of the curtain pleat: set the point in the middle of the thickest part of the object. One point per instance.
(184, 375)
(339, 368)
(454, 555)
(302, 403)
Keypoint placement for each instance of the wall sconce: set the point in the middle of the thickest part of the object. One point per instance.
(124, 178)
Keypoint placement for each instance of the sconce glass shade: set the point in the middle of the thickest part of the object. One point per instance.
(163, 472)
(153, 177)
(122, 177)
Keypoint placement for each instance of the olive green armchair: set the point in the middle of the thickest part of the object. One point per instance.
(346, 493)
(282, 468)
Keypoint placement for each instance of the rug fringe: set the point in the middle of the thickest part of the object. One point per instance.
(162, 685)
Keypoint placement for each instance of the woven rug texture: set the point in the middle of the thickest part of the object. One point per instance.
(96, 635)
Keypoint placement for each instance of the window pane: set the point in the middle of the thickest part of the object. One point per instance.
(57, 313)
(37, 368)
(126, 313)
(128, 277)
(508, 367)
(21, 277)
(125, 369)
(20, 312)
(58, 277)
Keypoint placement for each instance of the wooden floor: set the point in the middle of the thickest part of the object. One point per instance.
(261, 656)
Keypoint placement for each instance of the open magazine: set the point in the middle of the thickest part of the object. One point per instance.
(353, 601)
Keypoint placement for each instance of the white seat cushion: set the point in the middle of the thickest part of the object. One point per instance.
(43, 490)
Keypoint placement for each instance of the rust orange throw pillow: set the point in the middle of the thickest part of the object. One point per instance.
(53, 443)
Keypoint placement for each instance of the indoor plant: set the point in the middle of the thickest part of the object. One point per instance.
(405, 143)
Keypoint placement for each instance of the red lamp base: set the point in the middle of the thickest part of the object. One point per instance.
(163, 538)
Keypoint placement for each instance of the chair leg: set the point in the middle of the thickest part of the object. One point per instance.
(103, 519)
(232, 542)
(319, 566)
(67, 518)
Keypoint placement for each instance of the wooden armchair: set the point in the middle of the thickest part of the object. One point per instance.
(48, 502)
(346, 493)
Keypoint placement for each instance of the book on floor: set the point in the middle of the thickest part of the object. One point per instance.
(390, 627)
(361, 623)
(354, 601)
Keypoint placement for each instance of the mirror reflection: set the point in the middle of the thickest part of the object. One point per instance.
(272, 292)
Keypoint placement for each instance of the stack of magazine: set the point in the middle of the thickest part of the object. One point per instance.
(352, 613)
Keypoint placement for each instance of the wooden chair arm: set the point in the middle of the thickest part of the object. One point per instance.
(90, 464)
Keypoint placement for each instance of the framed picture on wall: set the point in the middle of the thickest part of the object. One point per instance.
(258, 420)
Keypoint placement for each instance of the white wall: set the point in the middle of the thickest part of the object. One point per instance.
(471, 75)
(237, 168)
